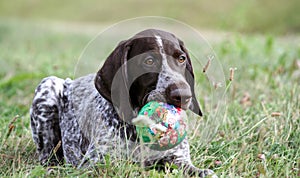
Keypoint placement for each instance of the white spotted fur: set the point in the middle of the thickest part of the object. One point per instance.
(74, 113)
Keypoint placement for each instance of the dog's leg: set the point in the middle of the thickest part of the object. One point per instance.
(45, 113)
(180, 156)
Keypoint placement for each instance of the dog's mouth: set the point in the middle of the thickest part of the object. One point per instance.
(182, 102)
(145, 99)
(152, 95)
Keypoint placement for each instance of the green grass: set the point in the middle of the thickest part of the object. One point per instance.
(266, 70)
(244, 16)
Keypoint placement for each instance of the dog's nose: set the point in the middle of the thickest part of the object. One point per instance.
(179, 95)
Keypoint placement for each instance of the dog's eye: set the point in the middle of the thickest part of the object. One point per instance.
(181, 58)
(149, 61)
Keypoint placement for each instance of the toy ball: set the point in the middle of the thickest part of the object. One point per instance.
(161, 126)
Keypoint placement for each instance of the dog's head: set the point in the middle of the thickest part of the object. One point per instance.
(153, 65)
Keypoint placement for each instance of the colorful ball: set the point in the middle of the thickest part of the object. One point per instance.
(166, 127)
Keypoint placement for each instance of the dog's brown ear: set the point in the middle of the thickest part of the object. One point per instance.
(112, 83)
(189, 74)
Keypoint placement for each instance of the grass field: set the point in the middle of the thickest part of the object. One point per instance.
(244, 16)
(253, 140)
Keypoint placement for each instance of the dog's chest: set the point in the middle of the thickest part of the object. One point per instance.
(93, 126)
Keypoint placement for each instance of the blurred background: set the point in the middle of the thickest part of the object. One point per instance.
(248, 16)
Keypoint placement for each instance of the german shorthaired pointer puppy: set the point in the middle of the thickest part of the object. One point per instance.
(82, 120)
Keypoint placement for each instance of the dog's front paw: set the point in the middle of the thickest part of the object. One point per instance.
(191, 170)
(207, 173)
